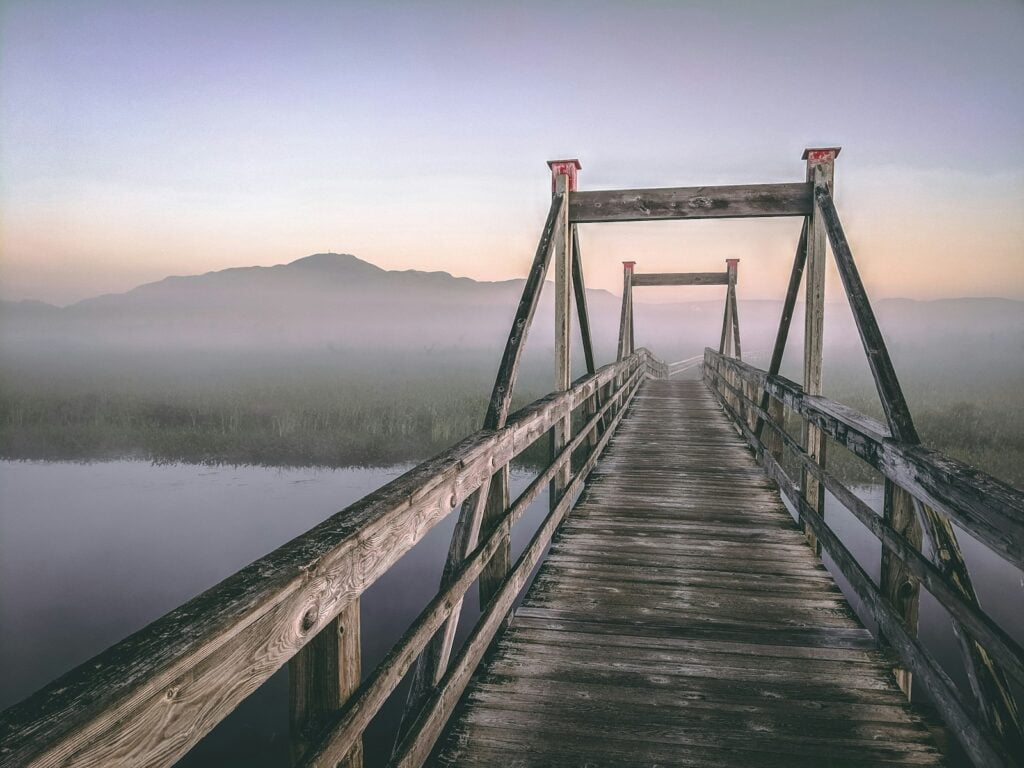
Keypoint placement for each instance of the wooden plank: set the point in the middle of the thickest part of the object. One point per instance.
(562, 256)
(814, 332)
(740, 201)
(649, 641)
(680, 278)
(580, 295)
(321, 677)
(982, 745)
(627, 274)
(508, 368)
(782, 335)
(895, 581)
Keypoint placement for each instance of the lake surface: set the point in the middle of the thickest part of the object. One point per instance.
(92, 552)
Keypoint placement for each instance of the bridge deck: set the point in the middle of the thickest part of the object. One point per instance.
(681, 620)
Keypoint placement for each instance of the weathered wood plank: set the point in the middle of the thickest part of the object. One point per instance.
(740, 201)
(680, 278)
(670, 637)
(321, 677)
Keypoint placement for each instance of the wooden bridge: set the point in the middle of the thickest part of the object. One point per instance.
(680, 617)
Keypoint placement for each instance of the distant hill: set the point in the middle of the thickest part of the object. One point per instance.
(339, 301)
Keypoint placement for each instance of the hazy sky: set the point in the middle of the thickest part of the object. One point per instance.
(141, 139)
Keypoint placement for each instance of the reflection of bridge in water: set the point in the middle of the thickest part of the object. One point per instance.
(680, 617)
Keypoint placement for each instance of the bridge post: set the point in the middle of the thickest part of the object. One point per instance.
(321, 677)
(563, 181)
(626, 316)
(822, 159)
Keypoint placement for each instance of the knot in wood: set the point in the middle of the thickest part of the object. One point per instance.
(309, 618)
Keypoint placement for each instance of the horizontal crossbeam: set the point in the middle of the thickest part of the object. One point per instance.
(742, 201)
(681, 278)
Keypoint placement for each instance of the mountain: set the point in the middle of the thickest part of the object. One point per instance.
(338, 301)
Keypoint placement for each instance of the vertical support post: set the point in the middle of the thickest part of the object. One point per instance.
(563, 178)
(626, 317)
(321, 677)
(899, 587)
(823, 161)
(732, 269)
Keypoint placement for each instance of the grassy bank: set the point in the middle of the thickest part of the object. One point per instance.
(323, 410)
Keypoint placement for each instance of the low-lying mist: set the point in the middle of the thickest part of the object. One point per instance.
(332, 361)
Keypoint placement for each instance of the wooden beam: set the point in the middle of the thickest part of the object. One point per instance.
(742, 201)
(508, 369)
(583, 316)
(734, 314)
(680, 278)
(562, 257)
(788, 305)
(894, 404)
(321, 677)
(580, 291)
(504, 384)
(895, 580)
(984, 673)
(627, 282)
(822, 163)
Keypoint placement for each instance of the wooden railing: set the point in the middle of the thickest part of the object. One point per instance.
(988, 509)
(150, 698)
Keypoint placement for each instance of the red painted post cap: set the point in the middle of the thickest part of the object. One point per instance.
(564, 168)
(821, 154)
(629, 265)
(732, 262)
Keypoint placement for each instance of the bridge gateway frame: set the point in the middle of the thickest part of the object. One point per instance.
(730, 317)
(150, 698)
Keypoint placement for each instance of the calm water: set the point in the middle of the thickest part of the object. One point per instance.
(92, 552)
(89, 553)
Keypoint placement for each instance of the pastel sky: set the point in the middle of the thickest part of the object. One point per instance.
(148, 138)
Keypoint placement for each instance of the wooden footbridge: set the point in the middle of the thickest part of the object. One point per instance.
(679, 616)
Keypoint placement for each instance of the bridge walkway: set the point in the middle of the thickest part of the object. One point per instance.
(681, 619)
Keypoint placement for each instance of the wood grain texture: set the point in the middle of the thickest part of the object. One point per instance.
(656, 634)
(321, 677)
(742, 201)
(680, 278)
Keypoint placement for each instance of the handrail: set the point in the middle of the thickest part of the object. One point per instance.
(986, 507)
(182, 674)
(973, 499)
